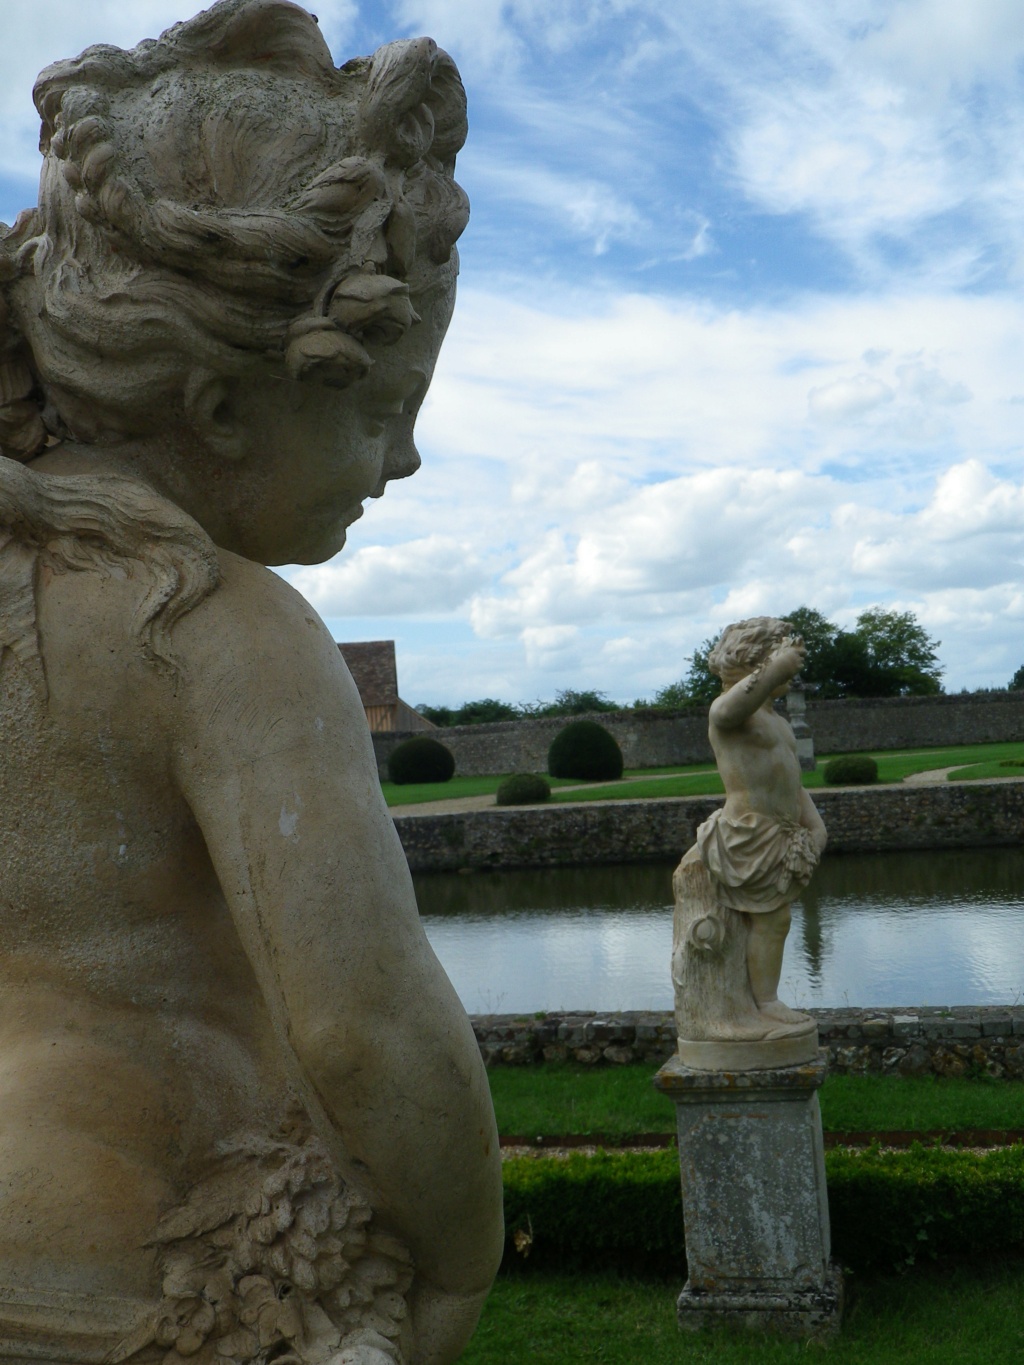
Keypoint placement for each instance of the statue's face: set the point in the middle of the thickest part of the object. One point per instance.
(313, 455)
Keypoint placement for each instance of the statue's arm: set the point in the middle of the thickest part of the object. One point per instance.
(739, 703)
(276, 761)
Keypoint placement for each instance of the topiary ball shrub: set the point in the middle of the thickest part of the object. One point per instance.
(420, 760)
(855, 770)
(587, 751)
(523, 789)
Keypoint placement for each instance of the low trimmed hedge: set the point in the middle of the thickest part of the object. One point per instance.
(523, 789)
(420, 759)
(623, 1210)
(586, 751)
(851, 770)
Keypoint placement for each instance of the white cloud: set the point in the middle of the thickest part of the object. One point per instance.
(549, 647)
(475, 31)
(872, 118)
(435, 574)
(969, 535)
(587, 208)
(848, 398)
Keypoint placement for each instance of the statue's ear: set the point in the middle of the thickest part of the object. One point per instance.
(212, 406)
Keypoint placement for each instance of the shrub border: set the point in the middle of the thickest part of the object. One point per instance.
(623, 1210)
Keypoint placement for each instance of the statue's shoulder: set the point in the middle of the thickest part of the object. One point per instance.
(259, 630)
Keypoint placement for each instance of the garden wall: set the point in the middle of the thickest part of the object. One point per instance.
(926, 1041)
(859, 820)
(654, 739)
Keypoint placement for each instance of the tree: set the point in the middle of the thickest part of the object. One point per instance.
(471, 712)
(485, 710)
(1016, 683)
(570, 702)
(819, 635)
(902, 658)
(699, 686)
(438, 715)
(887, 654)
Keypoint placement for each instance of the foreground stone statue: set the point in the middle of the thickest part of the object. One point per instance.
(244, 1117)
(751, 860)
(747, 1071)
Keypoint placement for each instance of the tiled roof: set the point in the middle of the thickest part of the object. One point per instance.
(374, 671)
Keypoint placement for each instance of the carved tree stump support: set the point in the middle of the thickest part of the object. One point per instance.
(755, 1207)
(718, 1023)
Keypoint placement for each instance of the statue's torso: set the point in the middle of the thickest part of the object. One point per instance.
(135, 1047)
(759, 766)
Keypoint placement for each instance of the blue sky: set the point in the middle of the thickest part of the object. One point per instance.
(739, 328)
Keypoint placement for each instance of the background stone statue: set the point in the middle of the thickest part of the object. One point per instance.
(751, 860)
(244, 1115)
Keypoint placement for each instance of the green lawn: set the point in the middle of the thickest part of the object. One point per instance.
(701, 779)
(933, 1315)
(891, 768)
(413, 793)
(1006, 767)
(621, 1101)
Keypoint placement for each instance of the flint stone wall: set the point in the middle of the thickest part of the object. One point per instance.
(859, 820)
(924, 1041)
(655, 739)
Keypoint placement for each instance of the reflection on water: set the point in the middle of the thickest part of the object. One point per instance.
(872, 929)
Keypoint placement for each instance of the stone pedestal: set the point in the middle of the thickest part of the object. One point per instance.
(796, 711)
(755, 1207)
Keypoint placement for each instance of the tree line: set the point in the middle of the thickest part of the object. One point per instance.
(886, 654)
(568, 702)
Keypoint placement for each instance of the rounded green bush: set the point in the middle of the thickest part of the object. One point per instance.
(585, 750)
(523, 789)
(854, 770)
(421, 759)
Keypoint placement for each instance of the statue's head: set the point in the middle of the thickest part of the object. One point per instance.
(745, 645)
(231, 233)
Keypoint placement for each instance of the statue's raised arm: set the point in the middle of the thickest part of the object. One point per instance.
(245, 1117)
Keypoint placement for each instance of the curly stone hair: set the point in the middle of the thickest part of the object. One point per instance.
(745, 645)
(222, 198)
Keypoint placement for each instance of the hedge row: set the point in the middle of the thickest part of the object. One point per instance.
(622, 1210)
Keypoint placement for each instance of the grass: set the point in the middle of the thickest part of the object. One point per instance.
(541, 1100)
(936, 1315)
(702, 782)
(413, 793)
(892, 767)
(620, 1102)
(1007, 767)
(701, 779)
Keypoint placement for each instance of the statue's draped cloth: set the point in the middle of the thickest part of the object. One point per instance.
(757, 864)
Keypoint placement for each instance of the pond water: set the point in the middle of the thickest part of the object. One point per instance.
(944, 928)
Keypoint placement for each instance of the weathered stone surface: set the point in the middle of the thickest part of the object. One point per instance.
(238, 1091)
(814, 1313)
(860, 820)
(651, 1038)
(755, 1207)
(734, 887)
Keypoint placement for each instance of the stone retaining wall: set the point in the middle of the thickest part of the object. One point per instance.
(656, 739)
(859, 820)
(926, 1041)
